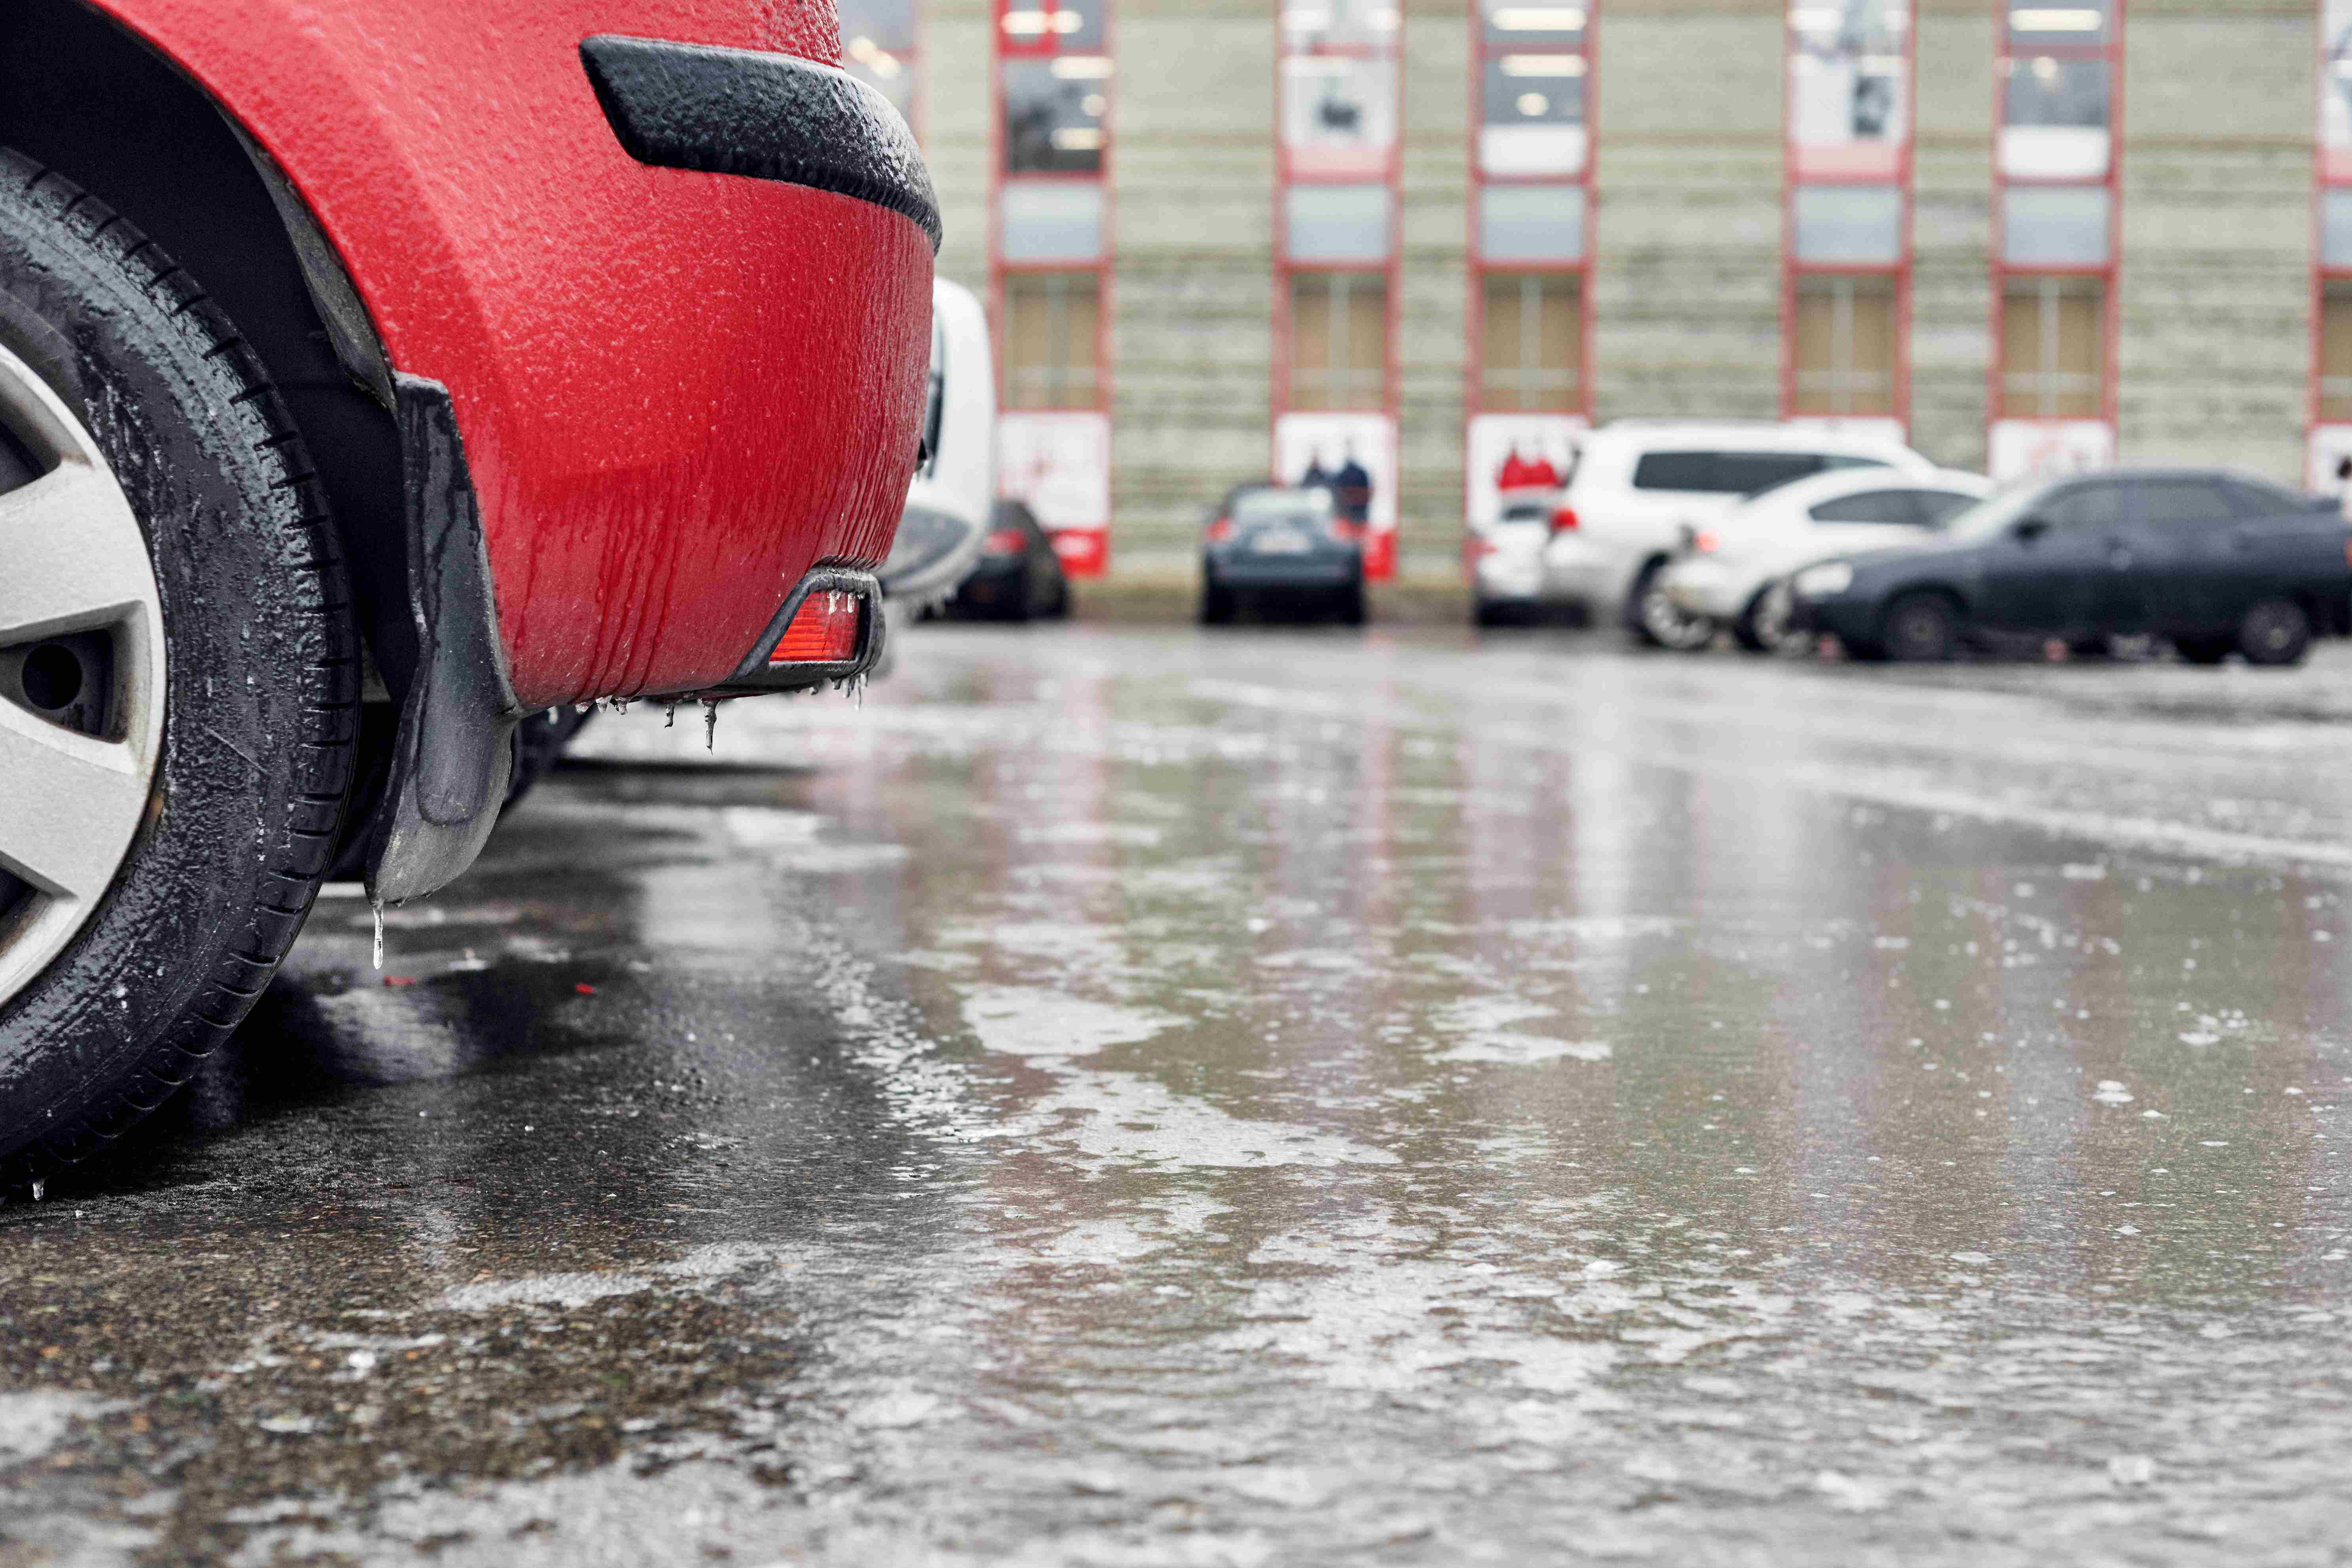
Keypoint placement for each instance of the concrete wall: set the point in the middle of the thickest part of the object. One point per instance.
(1686, 290)
(2215, 288)
(2216, 231)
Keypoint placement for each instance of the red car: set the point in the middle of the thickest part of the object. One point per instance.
(373, 374)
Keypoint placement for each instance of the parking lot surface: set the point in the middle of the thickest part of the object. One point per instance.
(1146, 1096)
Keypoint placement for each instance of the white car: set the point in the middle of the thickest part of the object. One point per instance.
(1730, 575)
(1643, 488)
(1507, 557)
(949, 505)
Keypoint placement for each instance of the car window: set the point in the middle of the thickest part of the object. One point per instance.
(1722, 473)
(1939, 507)
(2251, 497)
(2182, 503)
(2083, 506)
(1848, 461)
(1870, 506)
(1282, 506)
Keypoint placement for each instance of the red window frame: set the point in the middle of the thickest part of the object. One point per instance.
(2324, 179)
(1793, 272)
(1482, 51)
(2005, 53)
(1046, 45)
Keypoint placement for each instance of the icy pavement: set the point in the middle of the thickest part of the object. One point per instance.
(1149, 1099)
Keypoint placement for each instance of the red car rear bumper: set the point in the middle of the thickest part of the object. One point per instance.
(678, 390)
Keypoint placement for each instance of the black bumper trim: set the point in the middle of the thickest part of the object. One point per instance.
(764, 116)
(756, 674)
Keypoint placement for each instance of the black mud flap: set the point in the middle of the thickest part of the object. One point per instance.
(455, 745)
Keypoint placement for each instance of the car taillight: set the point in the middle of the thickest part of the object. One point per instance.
(823, 630)
(1221, 530)
(1004, 541)
(1705, 541)
(1564, 521)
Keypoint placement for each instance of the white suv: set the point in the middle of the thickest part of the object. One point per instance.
(1643, 488)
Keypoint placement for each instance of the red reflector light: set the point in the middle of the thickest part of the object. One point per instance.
(1221, 530)
(1004, 541)
(823, 630)
(1705, 541)
(1564, 521)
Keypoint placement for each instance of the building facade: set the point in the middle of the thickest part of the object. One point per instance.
(1428, 236)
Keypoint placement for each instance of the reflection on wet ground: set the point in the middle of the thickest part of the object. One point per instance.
(1134, 1098)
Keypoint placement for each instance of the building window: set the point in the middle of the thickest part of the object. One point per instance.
(1845, 346)
(1338, 340)
(2057, 75)
(877, 46)
(2336, 354)
(1052, 329)
(2053, 348)
(1051, 262)
(1534, 341)
(1846, 239)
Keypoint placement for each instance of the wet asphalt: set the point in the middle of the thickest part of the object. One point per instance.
(1141, 1097)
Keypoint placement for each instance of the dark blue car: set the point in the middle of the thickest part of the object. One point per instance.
(1266, 540)
(2214, 560)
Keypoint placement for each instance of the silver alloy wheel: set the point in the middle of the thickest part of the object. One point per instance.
(1669, 623)
(74, 578)
(1773, 621)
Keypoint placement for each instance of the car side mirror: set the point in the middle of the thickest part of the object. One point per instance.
(2028, 528)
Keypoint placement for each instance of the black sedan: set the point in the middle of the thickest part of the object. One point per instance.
(2217, 561)
(1266, 540)
(1018, 577)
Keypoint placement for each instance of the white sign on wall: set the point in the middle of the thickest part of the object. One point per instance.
(2046, 449)
(1356, 455)
(1059, 465)
(2330, 455)
(1515, 452)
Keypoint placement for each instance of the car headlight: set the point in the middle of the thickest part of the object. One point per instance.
(1823, 581)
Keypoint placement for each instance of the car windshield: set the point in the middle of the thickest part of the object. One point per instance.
(1995, 512)
(1282, 506)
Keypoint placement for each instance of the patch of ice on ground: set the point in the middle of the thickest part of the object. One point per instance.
(1105, 1241)
(1128, 834)
(1524, 1050)
(790, 840)
(1025, 1022)
(35, 1420)
(1484, 1023)
(541, 1290)
(1131, 1119)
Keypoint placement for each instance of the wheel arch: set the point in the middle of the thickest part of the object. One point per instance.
(82, 94)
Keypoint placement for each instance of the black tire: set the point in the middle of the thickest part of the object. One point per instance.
(539, 744)
(1348, 604)
(1661, 623)
(1216, 601)
(1629, 614)
(2275, 631)
(1765, 624)
(2205, 650)
(260, 677)
(1484, 612)
(1920, 629)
